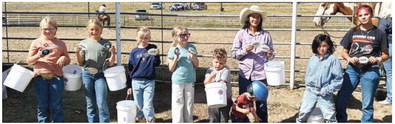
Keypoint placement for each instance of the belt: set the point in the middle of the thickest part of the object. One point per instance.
(91, 70)
(47, 75)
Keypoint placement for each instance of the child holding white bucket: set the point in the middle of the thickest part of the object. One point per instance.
(94, 54)
(245, 102)
(324, 76)
(183, 61)
(220, 73)
(142, 62)
(48, 55)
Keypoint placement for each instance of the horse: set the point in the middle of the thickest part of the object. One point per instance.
(331, 8)
(103, 18)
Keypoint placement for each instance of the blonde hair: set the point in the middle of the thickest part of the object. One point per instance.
(141, 32)
(175, 32)
(48, 21)
(220, 53)
(96, 22)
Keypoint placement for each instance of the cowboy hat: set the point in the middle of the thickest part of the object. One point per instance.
(253, 9)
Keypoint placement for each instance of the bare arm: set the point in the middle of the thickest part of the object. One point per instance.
(80, 58)
(210, 78)
(112, 57)
(346, 56)
(195, 61)
(34, 55)
(173, 63)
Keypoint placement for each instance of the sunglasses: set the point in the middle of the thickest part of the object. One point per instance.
(184, 35)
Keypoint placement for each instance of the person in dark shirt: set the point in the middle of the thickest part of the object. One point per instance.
(364, 47)
(142, 62)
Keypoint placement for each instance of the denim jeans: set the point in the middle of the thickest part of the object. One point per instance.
(49, 94)
(143, 93)
(217, 115)
(309, 101)
(95, 87)
(239, 120)
(369, 80)
(261, 106)
(388, 71)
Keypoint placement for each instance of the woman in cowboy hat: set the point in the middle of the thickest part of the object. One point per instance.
(253, 47)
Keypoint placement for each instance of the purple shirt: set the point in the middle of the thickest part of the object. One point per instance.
(251, 63)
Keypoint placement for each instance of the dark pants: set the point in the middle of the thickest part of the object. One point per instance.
(220, 114)
(261, 106)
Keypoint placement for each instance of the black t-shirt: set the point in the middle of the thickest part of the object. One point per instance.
(365, 43)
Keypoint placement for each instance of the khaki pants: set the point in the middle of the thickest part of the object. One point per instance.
(182, 99)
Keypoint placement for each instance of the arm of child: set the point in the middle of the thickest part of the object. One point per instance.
(80, 58)
(112, 50)
(336, 79)
(173, 63)
(210, 76)
(33, 55)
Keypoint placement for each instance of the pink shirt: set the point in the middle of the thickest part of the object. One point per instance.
(47, 64)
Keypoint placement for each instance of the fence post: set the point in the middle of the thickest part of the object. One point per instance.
(293, 45)
(118, 33)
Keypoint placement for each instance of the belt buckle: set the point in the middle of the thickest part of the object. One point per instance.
(47, 75)
(91, 70)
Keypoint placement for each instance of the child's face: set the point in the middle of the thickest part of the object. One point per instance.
(94, 30)
(251, 97)
(145, 39)
(218, 64)
(48, 31)
(182, 37)
(323, 48)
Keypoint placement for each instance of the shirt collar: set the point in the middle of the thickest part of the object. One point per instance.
(323, 58)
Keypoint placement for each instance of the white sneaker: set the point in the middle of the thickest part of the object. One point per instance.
(385, 102)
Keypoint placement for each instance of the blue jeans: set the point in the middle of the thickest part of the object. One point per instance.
(239, 120)
(143, 93)
(369, 80)
(388, 71)
(310, 99)
(261, 106)
(49, 94)
(95, 87)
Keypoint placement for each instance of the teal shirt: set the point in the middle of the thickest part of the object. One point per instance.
(184, 71)
(95, 54)
(324, 73)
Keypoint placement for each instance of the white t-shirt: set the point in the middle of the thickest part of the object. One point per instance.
(102, 9)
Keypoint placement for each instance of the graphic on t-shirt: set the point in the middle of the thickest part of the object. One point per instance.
(367, 49)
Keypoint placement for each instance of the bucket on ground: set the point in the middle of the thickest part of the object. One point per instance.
(275, 74)
(316, 116)
(126, 111)
(72, 77)
(18, 78)
(115, 77)
(216, 94)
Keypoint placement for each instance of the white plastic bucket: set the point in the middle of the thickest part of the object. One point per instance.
(72, 77)
(115, 77)
(18, 78)
(126, 111)
(216, 94)
(316, 116)
(275, 74)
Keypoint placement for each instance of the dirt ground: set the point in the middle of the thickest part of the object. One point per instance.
(283, 105)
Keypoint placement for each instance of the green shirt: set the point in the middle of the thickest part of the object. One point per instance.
(95, 53)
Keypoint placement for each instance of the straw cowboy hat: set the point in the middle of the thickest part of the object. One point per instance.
(253, 9)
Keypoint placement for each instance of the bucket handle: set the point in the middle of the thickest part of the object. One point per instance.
(127, 96)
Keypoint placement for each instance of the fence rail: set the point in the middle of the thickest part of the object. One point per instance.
(23, 19)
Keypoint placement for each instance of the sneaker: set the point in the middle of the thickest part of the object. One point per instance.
(385, 102)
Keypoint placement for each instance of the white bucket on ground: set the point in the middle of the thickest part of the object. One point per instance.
(275, 74)
(126, 111)
(72, 77)
(115, 77)
(18, 78)
(316, 116)
(216, 94)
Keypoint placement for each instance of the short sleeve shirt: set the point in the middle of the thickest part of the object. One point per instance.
(95, 53)
(223, 74)
(185, 71)
(365, 43)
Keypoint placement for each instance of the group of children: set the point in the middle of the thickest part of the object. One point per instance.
(324, 74)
